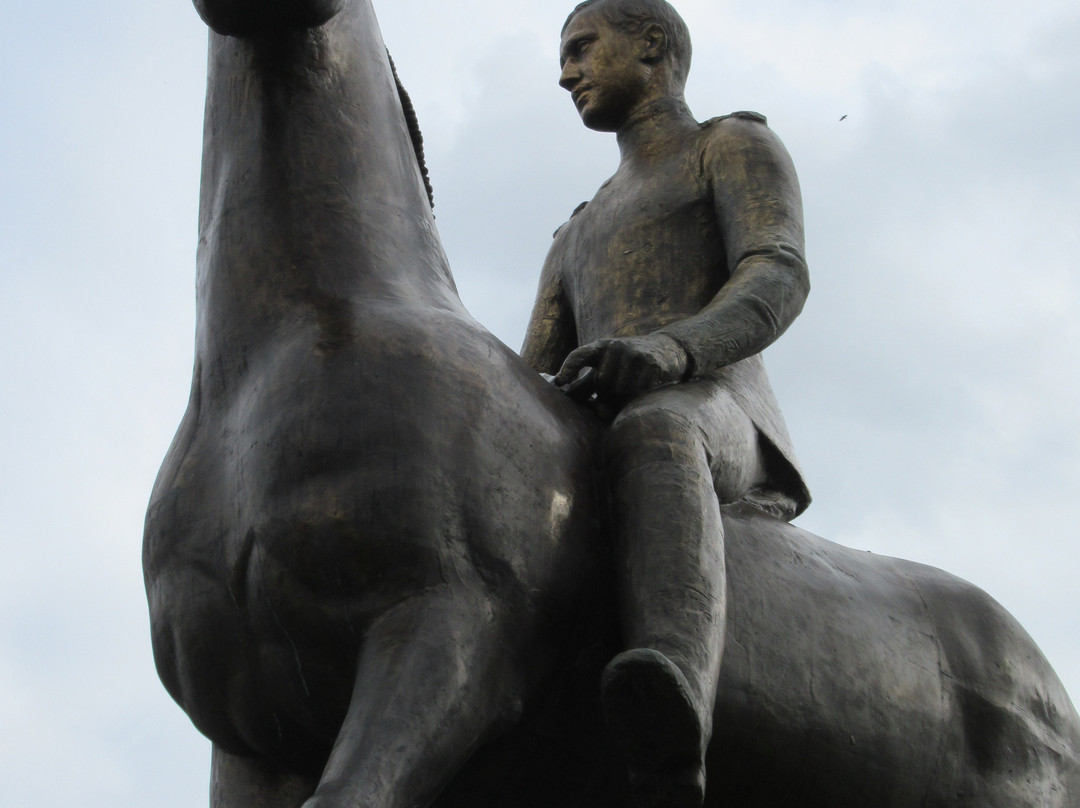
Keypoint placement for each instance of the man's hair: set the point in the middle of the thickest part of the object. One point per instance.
(632, 16)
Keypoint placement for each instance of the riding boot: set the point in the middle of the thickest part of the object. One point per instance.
(651, 716)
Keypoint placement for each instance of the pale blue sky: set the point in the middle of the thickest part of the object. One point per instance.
(931, 385)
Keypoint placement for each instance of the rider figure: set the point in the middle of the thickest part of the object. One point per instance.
(658, 296)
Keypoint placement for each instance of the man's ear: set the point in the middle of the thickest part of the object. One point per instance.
(654, 43)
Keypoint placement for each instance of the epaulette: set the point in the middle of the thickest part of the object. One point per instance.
(744, 114)
(577, 210)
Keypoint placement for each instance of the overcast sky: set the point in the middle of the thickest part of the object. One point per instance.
(930, 386)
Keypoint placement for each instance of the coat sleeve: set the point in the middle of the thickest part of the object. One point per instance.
(759, 211)
(551, 334)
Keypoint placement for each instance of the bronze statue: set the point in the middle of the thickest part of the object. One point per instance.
(375, 564)
(668, 284)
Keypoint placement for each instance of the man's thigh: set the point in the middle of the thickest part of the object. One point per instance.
(705, 411)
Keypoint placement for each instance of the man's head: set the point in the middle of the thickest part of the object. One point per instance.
(616, 51)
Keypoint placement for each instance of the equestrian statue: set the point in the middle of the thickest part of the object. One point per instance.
(378, 556)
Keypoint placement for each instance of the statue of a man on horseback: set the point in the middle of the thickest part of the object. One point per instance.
(376, 562)
(666, 286)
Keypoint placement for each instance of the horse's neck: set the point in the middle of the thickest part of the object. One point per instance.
(311, 191)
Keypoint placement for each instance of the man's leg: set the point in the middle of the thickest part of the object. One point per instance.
(668, 457)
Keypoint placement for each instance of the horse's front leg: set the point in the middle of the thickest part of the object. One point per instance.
(436, 679)
(244, 17)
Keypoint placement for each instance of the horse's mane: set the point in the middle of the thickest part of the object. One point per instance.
(414, 130)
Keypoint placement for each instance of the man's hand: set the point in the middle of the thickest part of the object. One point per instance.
(626, 367)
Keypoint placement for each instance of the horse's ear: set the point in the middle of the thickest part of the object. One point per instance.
(246, 17)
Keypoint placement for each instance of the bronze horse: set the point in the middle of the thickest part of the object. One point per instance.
(374, 558)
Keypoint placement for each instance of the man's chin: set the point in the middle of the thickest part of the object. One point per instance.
(598, 123)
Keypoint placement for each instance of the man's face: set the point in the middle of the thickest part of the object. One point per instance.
(602, 67)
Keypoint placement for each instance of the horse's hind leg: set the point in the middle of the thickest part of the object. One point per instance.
(435, 680)
(245, 782)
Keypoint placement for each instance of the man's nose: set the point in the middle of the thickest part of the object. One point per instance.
(571, 75)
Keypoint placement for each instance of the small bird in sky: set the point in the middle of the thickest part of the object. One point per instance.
(842, 117)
